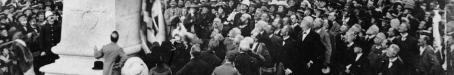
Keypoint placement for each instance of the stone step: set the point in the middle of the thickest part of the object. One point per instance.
(71, 65)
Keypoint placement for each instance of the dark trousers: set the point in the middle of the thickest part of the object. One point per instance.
(40, 61)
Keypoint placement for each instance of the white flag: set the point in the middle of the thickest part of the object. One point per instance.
(155, 23)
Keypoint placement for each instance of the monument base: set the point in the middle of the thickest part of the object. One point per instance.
(72, 65)
(88, 24)
(78, 65)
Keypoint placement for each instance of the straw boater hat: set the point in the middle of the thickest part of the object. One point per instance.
(278, 2)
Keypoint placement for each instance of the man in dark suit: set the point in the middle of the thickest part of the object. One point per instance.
(50, 33)
(376, 54)
(394, 65)
(275, 46)
(288, 49)
(49, 37)
(263, 47)
(344, 54)
(196, 66)
(310, 49)
(427, 63)
(360, 64)
(211, 59)
(409, 48)
(325, 38)
(247, 62)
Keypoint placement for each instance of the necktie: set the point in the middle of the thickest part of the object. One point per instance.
(304, 35)
(390, 64)
(404, 38)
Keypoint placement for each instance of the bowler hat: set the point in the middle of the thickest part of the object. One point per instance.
(98, 65)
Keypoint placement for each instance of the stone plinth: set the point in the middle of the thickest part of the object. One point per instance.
(89, 23)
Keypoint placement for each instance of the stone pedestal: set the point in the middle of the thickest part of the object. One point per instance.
(89, 23)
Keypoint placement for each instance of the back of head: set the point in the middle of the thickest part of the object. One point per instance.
(245, 44)
(195, 51)
(18, 35)
(114, 37)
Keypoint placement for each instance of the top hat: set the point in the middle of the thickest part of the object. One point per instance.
(98, 65)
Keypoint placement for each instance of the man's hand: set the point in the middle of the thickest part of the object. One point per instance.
(4, 58)
(326, 70)
(347, 70)
(43, 53)
(4, 69)
(288, 71)
(310, 63)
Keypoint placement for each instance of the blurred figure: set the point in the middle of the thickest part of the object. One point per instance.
(408, 48)
(23, 58)
(394, 65)
(160, 69)
(360, 65)
(377, 53)
(247, 62)
(227, 68)
(427, 63)
(196, 66)
(113, 55)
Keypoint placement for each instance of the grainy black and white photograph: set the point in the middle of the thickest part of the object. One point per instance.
(226, 37)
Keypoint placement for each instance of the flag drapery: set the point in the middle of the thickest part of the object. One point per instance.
(153, 21)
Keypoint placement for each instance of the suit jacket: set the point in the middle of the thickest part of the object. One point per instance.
(226, 69)
(195, 67)
(375, 57)
(408, 51)
(248, 63)
(427, 63)
(50, 35)
(112, 54)
(289, 52)
(361, 66)
(310, 49)
(211, 59)
(397, 68)
(325, 38)
(262, 51)
(23, 56)
(274, 45)
(180, 56)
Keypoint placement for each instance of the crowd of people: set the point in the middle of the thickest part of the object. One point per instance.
(260, 37)
(28, 28)
(304, 37)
